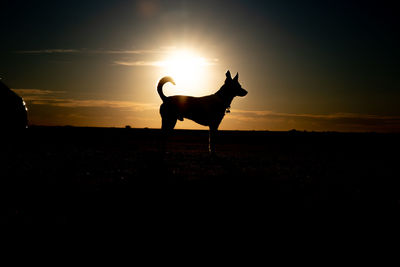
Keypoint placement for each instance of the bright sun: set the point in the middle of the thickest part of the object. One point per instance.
(185, 67)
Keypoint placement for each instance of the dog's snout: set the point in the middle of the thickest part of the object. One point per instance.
(243, 92)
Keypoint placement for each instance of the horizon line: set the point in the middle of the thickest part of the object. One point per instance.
(128, 127)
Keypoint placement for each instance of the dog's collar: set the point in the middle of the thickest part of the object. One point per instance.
(226, 103)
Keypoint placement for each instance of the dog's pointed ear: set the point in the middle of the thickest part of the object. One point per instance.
(228, 75)
(236, 78)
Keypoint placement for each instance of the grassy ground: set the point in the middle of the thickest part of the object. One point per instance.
(67, 174)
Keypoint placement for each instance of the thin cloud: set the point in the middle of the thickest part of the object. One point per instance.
(99, 51)
(91, 103)
(56, 98)
(319, 122)
(138, 52)
(139, 63)
(268, 113)
(49, 51)
(36, 92)
(134, 63)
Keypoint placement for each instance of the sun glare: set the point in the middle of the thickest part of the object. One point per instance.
(186, 68)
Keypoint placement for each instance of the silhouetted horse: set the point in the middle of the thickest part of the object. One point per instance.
(13, 112)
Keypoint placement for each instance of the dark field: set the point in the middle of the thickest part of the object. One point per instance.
(67, 174)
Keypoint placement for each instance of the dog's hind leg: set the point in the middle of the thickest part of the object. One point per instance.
(168, 124)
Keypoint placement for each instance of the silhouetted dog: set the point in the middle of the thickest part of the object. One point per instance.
(207, 110)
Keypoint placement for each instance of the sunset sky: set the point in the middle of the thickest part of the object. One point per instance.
(307, 65)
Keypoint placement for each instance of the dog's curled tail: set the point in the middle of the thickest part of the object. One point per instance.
(160, 86)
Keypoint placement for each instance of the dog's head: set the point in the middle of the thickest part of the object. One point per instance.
(233, 85)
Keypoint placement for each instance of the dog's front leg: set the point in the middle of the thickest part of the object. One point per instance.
(212, 139)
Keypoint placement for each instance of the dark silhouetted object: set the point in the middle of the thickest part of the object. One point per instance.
(13, 112)
(207, 110)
